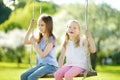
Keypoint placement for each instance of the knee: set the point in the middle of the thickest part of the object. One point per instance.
(31, 77)
(23, 77)
(68, 76)
(56, 74)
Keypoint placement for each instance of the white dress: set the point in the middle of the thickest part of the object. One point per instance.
(76, 56)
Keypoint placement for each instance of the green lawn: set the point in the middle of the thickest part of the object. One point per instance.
(11, 71)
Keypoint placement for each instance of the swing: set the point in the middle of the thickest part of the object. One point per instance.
(89, 72)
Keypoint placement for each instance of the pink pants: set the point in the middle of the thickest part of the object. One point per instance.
(68, 72)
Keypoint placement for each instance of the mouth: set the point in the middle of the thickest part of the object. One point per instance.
(71, 32)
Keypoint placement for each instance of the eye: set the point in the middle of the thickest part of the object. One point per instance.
(69, 26)
(74, 28)
(41, 25)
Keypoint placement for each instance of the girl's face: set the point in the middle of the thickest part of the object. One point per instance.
(42, 26)
(73, 29)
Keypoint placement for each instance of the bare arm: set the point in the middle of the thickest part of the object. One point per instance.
(61, 58)
(91, 43)
(41, 53)
(27, 37)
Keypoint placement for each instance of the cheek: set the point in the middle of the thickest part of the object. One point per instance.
(77, 32)
(44, 29)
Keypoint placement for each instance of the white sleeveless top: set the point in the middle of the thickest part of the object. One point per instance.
(76, 56)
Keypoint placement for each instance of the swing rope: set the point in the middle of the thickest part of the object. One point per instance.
(89, 69)
(40, 7)
(86, 48)
(86, 21)
(34, 9)
(33, 16)
(86, 14)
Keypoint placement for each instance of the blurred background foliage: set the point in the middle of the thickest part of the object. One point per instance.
(103, 23)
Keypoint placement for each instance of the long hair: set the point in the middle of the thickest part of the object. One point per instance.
(49, 27)
(77, 38)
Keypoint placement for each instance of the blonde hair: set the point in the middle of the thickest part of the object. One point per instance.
(77, 39)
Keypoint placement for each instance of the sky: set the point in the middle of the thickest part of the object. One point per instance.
(113, 3)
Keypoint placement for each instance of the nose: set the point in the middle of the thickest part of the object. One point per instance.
(71, 30)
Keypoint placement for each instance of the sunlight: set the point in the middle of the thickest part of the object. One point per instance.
(10, 3)
(11, 38)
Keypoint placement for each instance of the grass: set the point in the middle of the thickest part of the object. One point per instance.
(12, 71)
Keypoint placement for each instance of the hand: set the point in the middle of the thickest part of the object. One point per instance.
(32, 39)
(87, 33)
(32, 23)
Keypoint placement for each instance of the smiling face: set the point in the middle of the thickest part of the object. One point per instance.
(73, 29)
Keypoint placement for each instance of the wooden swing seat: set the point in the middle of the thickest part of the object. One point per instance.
(89, 74)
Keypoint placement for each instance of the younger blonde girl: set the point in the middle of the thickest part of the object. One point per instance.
(73, 50)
